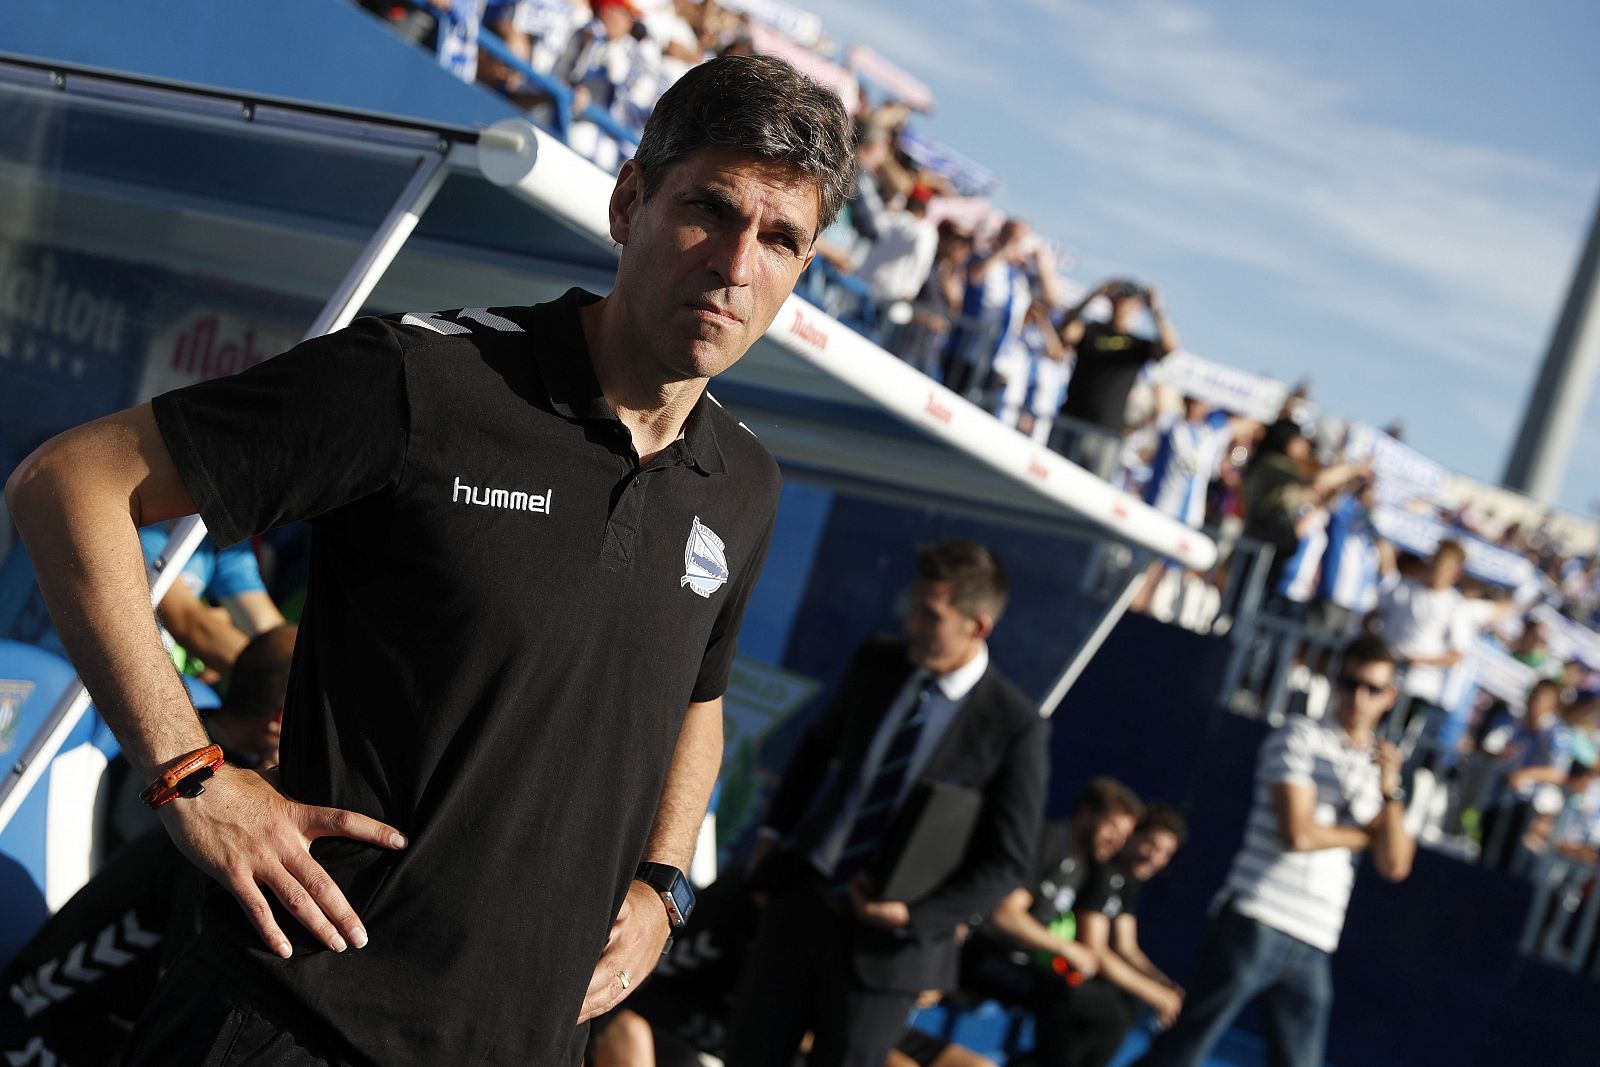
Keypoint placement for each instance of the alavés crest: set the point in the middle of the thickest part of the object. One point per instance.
(705, 560)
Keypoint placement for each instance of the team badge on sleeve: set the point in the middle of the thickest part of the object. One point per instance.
(705, 560)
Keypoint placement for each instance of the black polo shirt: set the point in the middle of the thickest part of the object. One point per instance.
(505, 622)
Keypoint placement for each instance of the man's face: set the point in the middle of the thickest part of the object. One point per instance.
(1446, 570)
(1366, 693)
(1543, 704)
(940, 636)
(615, 19)
(1150, 851)
(709, 258)
(1111, 833)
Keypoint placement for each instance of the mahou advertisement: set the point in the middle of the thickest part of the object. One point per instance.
(84, 335)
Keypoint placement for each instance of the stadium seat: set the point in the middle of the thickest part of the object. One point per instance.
(989, 1029)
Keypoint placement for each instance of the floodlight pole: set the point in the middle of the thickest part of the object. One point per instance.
(1550, 422)
(363, 276)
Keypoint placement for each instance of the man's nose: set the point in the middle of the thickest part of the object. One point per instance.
(733, 256)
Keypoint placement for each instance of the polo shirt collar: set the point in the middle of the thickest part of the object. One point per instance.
(700, 438)
(564, 364)
(569, 380)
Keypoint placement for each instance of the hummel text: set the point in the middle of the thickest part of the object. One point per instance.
(502, 498)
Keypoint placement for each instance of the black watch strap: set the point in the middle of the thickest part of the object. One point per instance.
(676, 893)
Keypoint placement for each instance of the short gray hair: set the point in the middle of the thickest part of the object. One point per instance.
(759, 104)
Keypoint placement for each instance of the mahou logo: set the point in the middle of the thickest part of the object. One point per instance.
(209, 344)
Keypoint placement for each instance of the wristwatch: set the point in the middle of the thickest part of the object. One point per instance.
(1396, 797)
(676, 893)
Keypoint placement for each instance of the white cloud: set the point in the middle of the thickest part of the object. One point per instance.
(1243, 156)
(920, 49)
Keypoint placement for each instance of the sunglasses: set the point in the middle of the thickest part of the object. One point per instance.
(1352, 684)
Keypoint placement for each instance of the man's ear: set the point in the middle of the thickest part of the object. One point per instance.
(983, 625)
(627, 197)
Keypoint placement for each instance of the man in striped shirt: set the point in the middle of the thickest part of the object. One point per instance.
(1325, 791)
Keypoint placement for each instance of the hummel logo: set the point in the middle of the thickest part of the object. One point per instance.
(502, 498)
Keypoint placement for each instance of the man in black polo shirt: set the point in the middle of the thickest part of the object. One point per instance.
(1108, 358)
(581, 527)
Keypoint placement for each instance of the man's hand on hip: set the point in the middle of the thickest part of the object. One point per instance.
(638, 934)
(248, 836)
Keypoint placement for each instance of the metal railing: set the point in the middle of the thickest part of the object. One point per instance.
(1564, 916)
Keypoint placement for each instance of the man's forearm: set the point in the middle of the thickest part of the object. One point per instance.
(202, 630)
(695, 763)
(1314, 838)
(82, 536)
(1393, 849)
(1142, 963)
(1128, 978)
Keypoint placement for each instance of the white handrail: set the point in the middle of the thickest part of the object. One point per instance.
(533, 165)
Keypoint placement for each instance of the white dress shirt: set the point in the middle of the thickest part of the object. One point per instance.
(950, 692)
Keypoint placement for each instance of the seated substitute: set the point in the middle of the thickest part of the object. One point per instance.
(208, 615)
(1028, 954)
(1100, 1012)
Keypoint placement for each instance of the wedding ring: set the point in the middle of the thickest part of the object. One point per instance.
(622, 976)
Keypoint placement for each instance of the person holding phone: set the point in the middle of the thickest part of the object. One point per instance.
(1109, 357)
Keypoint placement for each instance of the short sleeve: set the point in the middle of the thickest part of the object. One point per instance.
(294, 437)
(717, 663)
(1468, 621)
(1288, 755)
(1105, 892)
(237, 572)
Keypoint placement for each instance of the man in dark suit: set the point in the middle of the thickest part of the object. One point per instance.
(830, 955)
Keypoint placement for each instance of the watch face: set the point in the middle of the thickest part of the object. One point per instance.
(676, 892)
(680, 899)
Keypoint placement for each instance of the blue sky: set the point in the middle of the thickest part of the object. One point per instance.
(1387, 198)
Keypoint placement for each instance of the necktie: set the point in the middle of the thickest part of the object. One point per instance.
(877, 808)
